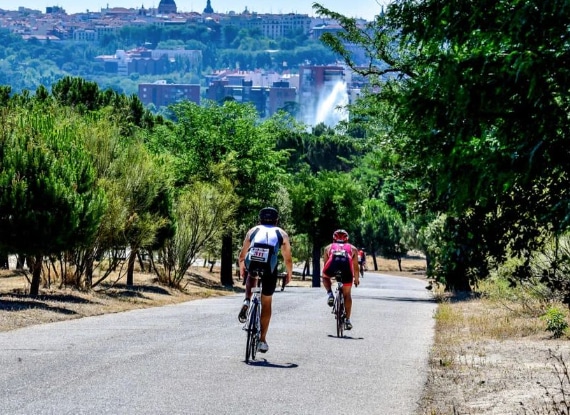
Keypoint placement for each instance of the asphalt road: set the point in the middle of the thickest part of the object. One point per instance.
(189, 358)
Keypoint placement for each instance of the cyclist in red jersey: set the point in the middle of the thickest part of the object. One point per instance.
(341, 256)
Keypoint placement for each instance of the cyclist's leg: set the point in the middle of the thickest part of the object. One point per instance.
(249, 283)
(347, 279)
(347, 293)
(326, 282)
(248, 286)
(269, 283)
(328, 288)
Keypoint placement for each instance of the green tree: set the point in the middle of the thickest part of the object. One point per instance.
(323, 203)
(49, 201)
(201, 214)
(477, 119)
(211, 142)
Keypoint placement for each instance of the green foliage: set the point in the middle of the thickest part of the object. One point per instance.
(202, 213)
(49, 200)
(382, 229)
(325, 202)
(555, 322)
(213, 141)
(476, 120)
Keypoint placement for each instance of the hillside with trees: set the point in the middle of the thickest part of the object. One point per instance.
(28, 64)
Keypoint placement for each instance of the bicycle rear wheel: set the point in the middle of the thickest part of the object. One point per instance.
(339, 314)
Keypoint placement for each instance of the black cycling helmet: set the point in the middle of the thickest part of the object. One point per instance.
(268, 215)
(340, 235)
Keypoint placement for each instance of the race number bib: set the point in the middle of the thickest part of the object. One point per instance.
(339, 253)
(259, 254)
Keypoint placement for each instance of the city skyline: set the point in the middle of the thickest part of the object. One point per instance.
(365, 9)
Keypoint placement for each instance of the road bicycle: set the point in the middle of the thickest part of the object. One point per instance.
(253, 323)
(338, 306)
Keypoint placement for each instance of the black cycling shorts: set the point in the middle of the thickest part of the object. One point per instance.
(332, 267)
(268, 282)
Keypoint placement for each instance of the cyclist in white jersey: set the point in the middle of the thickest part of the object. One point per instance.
(259, 253)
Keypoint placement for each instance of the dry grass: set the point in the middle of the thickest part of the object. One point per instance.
(493, 356)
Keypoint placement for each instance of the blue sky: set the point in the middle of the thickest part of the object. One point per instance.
(366, 9)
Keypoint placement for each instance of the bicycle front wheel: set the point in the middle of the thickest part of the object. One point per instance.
(251, 335)
(256, 330)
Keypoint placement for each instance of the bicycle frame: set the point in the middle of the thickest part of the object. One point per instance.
(253, 322)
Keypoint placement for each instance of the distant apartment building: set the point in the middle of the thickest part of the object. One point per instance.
(315, 81)
(162, 94)
(268, 92)
(150, 61)
(244, 92)
(270, 25)
(85, 35)
(281, 95)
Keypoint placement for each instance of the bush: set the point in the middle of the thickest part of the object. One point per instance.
(555, 322)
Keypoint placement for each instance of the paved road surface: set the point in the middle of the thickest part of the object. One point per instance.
(189, 358)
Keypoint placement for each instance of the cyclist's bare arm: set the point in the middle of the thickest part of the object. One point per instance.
(355, 266)
(326, 254)
(243, 253)
(287, 257)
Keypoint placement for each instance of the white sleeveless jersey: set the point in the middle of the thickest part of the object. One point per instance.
(265, 241)
(266, 234)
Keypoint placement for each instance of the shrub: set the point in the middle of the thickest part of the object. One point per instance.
(555, 322)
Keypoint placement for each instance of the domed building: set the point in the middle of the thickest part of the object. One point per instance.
(166, 7)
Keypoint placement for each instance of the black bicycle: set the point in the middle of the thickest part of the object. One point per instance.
(253, 323)
(338, 306)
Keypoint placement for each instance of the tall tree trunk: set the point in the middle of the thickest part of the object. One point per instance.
(375, 261)
(131, 267)
(4, 260)
(36, 276)
(316, 265)
(399, 259)
(89, 262)
(458, 280)
(226, 278)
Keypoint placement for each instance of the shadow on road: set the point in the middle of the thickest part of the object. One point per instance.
(265, 363)
(345, 337)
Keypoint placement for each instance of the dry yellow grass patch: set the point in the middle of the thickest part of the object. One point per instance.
(493, 357)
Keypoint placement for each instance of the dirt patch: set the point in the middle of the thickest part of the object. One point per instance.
(494, 358)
